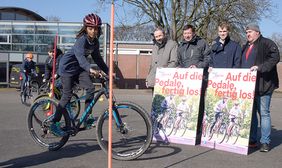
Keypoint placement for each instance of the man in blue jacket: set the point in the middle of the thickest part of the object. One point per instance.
(225, 53)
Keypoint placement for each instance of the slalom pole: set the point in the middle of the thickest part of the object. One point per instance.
(111, 87)
(54, 65)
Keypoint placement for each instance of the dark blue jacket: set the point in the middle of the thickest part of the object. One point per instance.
(74, 61)
(28, 67)
(225, 55)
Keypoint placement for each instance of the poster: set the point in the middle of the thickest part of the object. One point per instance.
(175, 106)
(228, 108)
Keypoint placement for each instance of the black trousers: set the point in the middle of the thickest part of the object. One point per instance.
(84, 81)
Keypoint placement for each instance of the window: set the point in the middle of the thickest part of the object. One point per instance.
(20, 47)
(7, 16)
(23, 28)
(4, 38)
(22, 39)
(42, 28)
(5, 28)
(69, 28)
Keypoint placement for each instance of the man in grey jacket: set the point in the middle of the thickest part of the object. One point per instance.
(164, 54)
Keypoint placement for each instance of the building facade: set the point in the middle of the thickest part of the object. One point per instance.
(23, 31)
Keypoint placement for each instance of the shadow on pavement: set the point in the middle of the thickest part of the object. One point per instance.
(275, 139)
(68, 151)
(202, 153)
(153, 149)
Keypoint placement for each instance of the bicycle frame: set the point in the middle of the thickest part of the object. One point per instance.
(97, 95)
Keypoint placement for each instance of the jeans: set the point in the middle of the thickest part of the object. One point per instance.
(261, 105)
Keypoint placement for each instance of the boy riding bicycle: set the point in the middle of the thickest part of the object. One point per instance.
(27, 70)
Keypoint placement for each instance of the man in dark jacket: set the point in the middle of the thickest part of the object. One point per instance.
(193, 51)
(225, 53)
(49, 62)
(262, 55)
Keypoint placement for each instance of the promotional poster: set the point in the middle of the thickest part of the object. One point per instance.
(175, 106)
(228, 110)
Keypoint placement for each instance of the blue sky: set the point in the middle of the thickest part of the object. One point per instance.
(75, 10)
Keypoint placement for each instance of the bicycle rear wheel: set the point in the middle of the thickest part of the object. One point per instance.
(39, 120)
(26, 96)
(131, 137)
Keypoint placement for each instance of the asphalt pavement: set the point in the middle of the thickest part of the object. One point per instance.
(17, 149)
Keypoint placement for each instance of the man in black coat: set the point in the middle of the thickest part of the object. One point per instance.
(262, 55)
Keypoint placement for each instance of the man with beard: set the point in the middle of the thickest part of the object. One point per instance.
(164, 54)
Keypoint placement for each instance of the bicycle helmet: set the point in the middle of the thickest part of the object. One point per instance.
(92, 20)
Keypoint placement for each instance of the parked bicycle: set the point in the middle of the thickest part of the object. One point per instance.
(131, 135)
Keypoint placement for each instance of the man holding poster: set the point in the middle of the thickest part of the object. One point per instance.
(262, 55)
(163, 55)
(225, 53)
(194, 52)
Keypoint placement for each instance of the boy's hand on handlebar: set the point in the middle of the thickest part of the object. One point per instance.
(97, 73)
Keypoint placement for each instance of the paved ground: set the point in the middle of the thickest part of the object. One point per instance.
(17, 149)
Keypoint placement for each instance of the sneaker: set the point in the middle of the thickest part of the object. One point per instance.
(264, 147)
(253, 144)
(55, 128)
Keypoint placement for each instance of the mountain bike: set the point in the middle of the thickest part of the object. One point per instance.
(131, 135)
(29, 90)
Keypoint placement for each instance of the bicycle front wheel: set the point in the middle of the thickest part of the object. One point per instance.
(131, 134)
(39, 119)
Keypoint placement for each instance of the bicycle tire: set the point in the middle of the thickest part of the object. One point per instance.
(124, 148)
(39, 119)
(221, 131)
(210, 132)
(26, 97)
(74, 103)
(236, 128)
(170, 125)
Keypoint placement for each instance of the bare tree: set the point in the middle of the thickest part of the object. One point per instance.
(134, 33)
(277, 38)
(204, 14)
